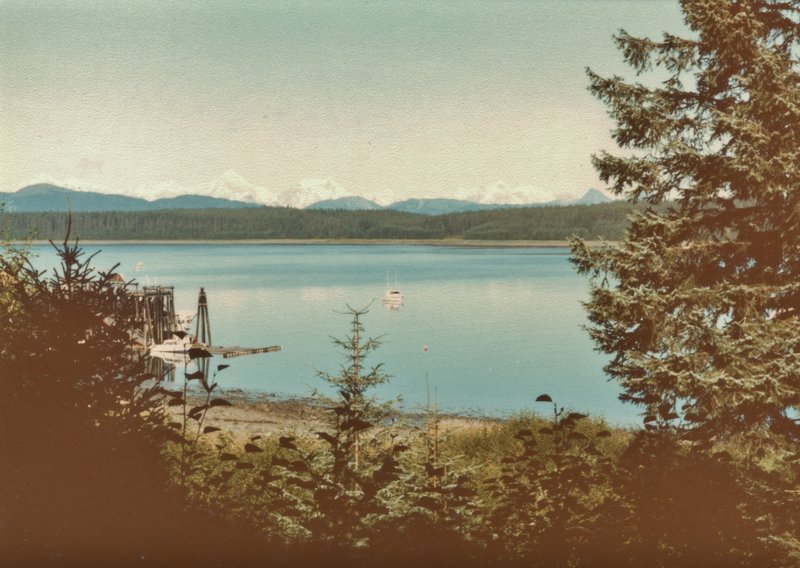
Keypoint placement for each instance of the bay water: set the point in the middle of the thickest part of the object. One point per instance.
(480, 330)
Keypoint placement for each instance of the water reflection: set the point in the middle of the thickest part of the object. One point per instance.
(172, 367)
(392, 306)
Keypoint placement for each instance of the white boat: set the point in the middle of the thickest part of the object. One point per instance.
(175, 344)
(174, 359)
(393, 295)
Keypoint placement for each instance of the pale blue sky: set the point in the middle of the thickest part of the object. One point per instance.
(398, 99)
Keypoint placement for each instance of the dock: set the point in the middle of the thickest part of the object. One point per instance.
(155, 314)
(156, 321)
(236, 351)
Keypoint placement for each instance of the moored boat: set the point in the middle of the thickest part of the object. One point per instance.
(178, 343)
(393, 295)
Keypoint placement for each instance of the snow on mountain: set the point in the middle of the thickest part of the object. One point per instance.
(232, 186)
(229, 185)
(382, 197)
(500, 193)
(347, 204)
(162, 190)
(309, 191)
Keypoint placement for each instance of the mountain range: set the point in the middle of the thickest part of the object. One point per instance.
(237, 193)
(47, 197)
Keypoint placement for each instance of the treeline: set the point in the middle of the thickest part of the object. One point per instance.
(608, 221)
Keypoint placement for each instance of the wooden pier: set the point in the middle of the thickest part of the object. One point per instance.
(236, 351)
(155, 316)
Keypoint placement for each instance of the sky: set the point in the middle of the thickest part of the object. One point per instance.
(387, 99)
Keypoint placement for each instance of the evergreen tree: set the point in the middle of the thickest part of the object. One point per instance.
(699, 305)
(83, 426)
(79, 431)
(347, 478)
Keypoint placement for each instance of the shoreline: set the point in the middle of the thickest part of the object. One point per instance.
(268, 414)
(459, 243)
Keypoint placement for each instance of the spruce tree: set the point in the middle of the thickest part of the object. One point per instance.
(699, 305)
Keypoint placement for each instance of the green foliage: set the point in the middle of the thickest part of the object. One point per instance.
(84, 430)
(435, 507)
(358, 492)
(523, 491)
(700, 304)
(551, 494)
(356, 464)
(354, 410)
(684, 507)
(535, 223)
(191, 425)
(329, 491)
(81, 425)
(247, 484)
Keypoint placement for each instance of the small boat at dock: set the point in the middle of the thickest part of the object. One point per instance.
(178, 343)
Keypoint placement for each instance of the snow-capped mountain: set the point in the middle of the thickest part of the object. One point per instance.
(235, 187)
(310, 191)
(347, 204)
(230, 186)
(501, 193)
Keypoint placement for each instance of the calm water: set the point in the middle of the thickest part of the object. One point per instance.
(489, 329)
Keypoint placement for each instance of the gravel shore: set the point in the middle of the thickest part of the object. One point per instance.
(255, 413)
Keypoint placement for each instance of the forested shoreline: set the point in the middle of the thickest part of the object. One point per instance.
(606, 221)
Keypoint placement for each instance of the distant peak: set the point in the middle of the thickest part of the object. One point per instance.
(593, 196)
(72, 184)
(502, 193)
